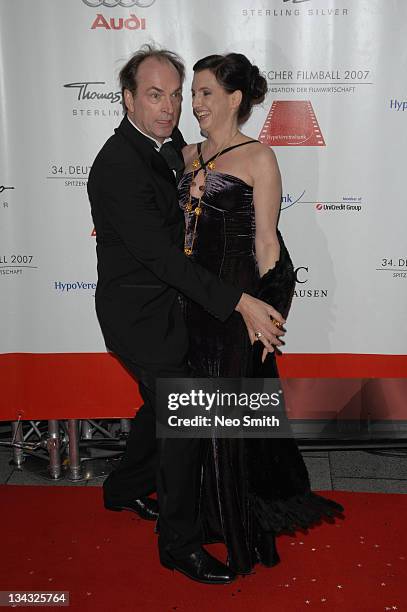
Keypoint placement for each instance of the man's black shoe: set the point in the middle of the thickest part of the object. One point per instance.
(266, 549)
(199, 566)
(145, 507)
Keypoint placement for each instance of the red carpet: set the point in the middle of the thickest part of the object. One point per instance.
(60, 538)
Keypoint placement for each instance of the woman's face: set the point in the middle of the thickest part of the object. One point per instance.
(212, 105)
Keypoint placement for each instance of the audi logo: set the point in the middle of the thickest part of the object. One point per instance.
(123, 3)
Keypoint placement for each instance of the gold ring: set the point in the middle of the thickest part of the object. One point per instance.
(277, 323)
(258, 334)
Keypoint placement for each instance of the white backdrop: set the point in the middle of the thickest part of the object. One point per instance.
(341, 152)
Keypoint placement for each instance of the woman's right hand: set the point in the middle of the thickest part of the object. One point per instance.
(258, 317)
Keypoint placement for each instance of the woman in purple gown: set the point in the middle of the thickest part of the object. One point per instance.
(252, 489)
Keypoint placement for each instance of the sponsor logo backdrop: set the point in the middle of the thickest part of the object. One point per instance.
(335, 116)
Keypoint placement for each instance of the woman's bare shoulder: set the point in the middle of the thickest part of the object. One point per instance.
(262, 152)
(262, 162)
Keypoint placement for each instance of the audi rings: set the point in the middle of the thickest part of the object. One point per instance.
(122, 3)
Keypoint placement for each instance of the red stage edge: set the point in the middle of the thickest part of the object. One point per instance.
(95, 385)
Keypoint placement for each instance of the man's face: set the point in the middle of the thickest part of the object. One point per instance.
(155, 107)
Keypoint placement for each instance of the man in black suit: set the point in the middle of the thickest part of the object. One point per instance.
(141, 270)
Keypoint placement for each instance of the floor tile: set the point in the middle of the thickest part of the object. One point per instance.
(370, 485)
(319, 472)
(361, 464)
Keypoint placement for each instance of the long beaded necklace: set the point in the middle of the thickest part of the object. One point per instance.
(197, 165)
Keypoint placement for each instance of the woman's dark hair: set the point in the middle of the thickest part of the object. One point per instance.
(234, 71)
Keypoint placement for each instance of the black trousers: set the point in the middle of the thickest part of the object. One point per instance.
(171, 467)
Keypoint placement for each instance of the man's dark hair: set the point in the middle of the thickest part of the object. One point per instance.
(128, 74)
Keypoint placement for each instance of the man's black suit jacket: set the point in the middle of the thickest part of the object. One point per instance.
(141, 265)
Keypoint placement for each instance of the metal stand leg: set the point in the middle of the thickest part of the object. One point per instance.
(54, 449)
(125, 426)
(18, 453)
(86, 430)
(74, 458)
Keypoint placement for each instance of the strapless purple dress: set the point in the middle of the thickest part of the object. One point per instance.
(251, 489)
